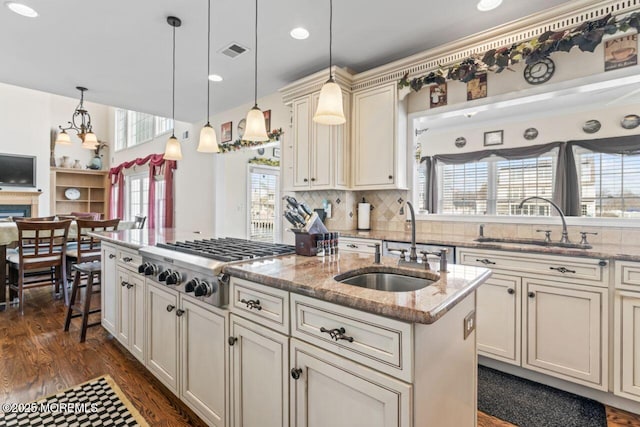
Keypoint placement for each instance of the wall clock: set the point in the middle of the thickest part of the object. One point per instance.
(241, 125)
(72, 193)
(539, 72)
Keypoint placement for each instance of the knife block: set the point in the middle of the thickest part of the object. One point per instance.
(306, 243)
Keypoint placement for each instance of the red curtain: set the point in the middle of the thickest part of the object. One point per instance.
(157, 165)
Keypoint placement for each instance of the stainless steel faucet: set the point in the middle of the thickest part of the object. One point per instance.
(413, 256)
(565, 234)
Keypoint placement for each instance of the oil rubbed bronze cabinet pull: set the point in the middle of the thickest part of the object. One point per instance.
(127, 259)
(179, 312)
(111, 256)
(485, 261)
(511, 291)
(351, 245)
(562, 269)
(251, 304)
(295, 373)
(170, 308)
(232, 340)
(337, 334)
(129, 285)
(531, 294)
(123, 283)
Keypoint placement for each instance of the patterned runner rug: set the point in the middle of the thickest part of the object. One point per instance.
(98, 402)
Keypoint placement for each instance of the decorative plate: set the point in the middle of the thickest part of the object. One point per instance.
(591, 126)
(531, 133)
(461, 142)
(72, 193)
(630, 121)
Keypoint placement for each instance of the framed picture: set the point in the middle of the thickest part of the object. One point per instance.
(276, 152)
(267, 120)
(621, 52)
(226, 132)
(477, 88)
(495, 137)
(438, 95)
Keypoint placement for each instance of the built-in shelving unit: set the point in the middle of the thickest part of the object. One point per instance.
(93, 186)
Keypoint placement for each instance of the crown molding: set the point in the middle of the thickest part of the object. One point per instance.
(314, 82)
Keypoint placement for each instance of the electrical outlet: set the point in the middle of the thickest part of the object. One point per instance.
(469, 324)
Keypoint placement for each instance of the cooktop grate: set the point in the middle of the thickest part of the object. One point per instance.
(229, 249)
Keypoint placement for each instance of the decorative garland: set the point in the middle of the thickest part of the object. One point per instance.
(238, 144)
(264, 161)
(587, 37)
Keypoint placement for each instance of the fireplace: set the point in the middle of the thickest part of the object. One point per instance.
(15, 211)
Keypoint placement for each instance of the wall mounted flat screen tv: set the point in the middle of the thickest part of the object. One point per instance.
(17, 171)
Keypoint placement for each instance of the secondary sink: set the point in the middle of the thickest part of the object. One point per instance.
(388, 281)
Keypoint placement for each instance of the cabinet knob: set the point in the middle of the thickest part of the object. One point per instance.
(111, 256)
(305, 180)
(390, 176)
(127, 259)
(123, 283)
(170, 308)
(295, 373)
(179, 312)
(602, 263)
(511, 291)
(232, 340)
(313, 179)
(129, 285)
(531, 294)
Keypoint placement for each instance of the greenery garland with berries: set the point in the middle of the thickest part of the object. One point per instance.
(239, 144)
(586, 36)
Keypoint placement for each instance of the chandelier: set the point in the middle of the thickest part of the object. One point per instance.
(81, 124)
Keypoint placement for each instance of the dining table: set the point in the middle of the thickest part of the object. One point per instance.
(9, 235)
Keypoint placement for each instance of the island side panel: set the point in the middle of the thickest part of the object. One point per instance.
(445, 386)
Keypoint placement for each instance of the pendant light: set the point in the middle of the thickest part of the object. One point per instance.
(208, 141)
(172, 150)
(330, 110)
(256, 129)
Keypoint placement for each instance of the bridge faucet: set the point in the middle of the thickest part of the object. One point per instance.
(413, 256)
(565, 234)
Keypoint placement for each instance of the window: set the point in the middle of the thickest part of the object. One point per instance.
(609, 184)
(137, 189)
(133, 128)
(494, 186)
(263, 193)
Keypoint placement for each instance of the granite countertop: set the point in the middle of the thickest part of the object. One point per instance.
(136, 239)
(314, 277)
(611, 251)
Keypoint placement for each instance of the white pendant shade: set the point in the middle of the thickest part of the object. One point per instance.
(63, 138)
(90, 141)
(208, 140)
(330, 110)
(256, 129)
(172, 150)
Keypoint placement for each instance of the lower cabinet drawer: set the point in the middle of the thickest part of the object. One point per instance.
(264, 305)
(129, 259)
(381, 343)
(364, 246)
(627, 275)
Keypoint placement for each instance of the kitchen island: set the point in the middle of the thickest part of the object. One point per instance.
(293, 346)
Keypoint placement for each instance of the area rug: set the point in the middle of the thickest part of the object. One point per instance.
(98, 402)
(529, 404)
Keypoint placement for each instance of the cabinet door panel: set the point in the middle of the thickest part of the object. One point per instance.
(333, 391)
(259, 372)
(627, 345)
(203, 361)
(137, 316)
(123, 305)
(301, 141)
(498, 318)
(162, 336)
(321, 164)
(564, 331)
(108, 289)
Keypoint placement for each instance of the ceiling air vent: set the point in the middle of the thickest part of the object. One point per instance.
(234, 50)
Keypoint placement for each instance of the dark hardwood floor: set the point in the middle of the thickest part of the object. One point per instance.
(37, 359)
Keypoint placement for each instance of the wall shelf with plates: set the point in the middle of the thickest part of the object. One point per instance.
(76, 190)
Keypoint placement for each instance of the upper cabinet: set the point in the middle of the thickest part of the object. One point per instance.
(379, 139)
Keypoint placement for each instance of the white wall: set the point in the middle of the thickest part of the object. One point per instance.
(27, 117)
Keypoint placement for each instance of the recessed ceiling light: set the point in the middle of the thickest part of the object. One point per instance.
(299, 33)
(21, 9)
(215, 78)
(487, 5)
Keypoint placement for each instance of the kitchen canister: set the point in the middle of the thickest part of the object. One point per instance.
(364, 218)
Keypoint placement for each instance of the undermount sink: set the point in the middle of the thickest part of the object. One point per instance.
(387, 281)
(532, 242)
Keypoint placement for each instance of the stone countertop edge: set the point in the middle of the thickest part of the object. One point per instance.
(139, 238)
(605, 251)
(314, 277)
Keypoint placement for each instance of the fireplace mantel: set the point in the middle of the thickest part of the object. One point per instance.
(8, 197)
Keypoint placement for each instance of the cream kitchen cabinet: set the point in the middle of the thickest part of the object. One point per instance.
(626, 361)
(498, 318)
(108, 300)
(130, 311)
(259, 364)
(557, 313)
(355, 244)
(320, 152)
(379, 139)
(186, 342)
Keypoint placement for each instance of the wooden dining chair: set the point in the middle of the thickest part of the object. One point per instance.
(42, 246)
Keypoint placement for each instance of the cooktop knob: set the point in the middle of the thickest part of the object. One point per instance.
(204, 289)
(191, 285)
(142, 267)
(150, 270)
(174, 278)
(164, 275)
